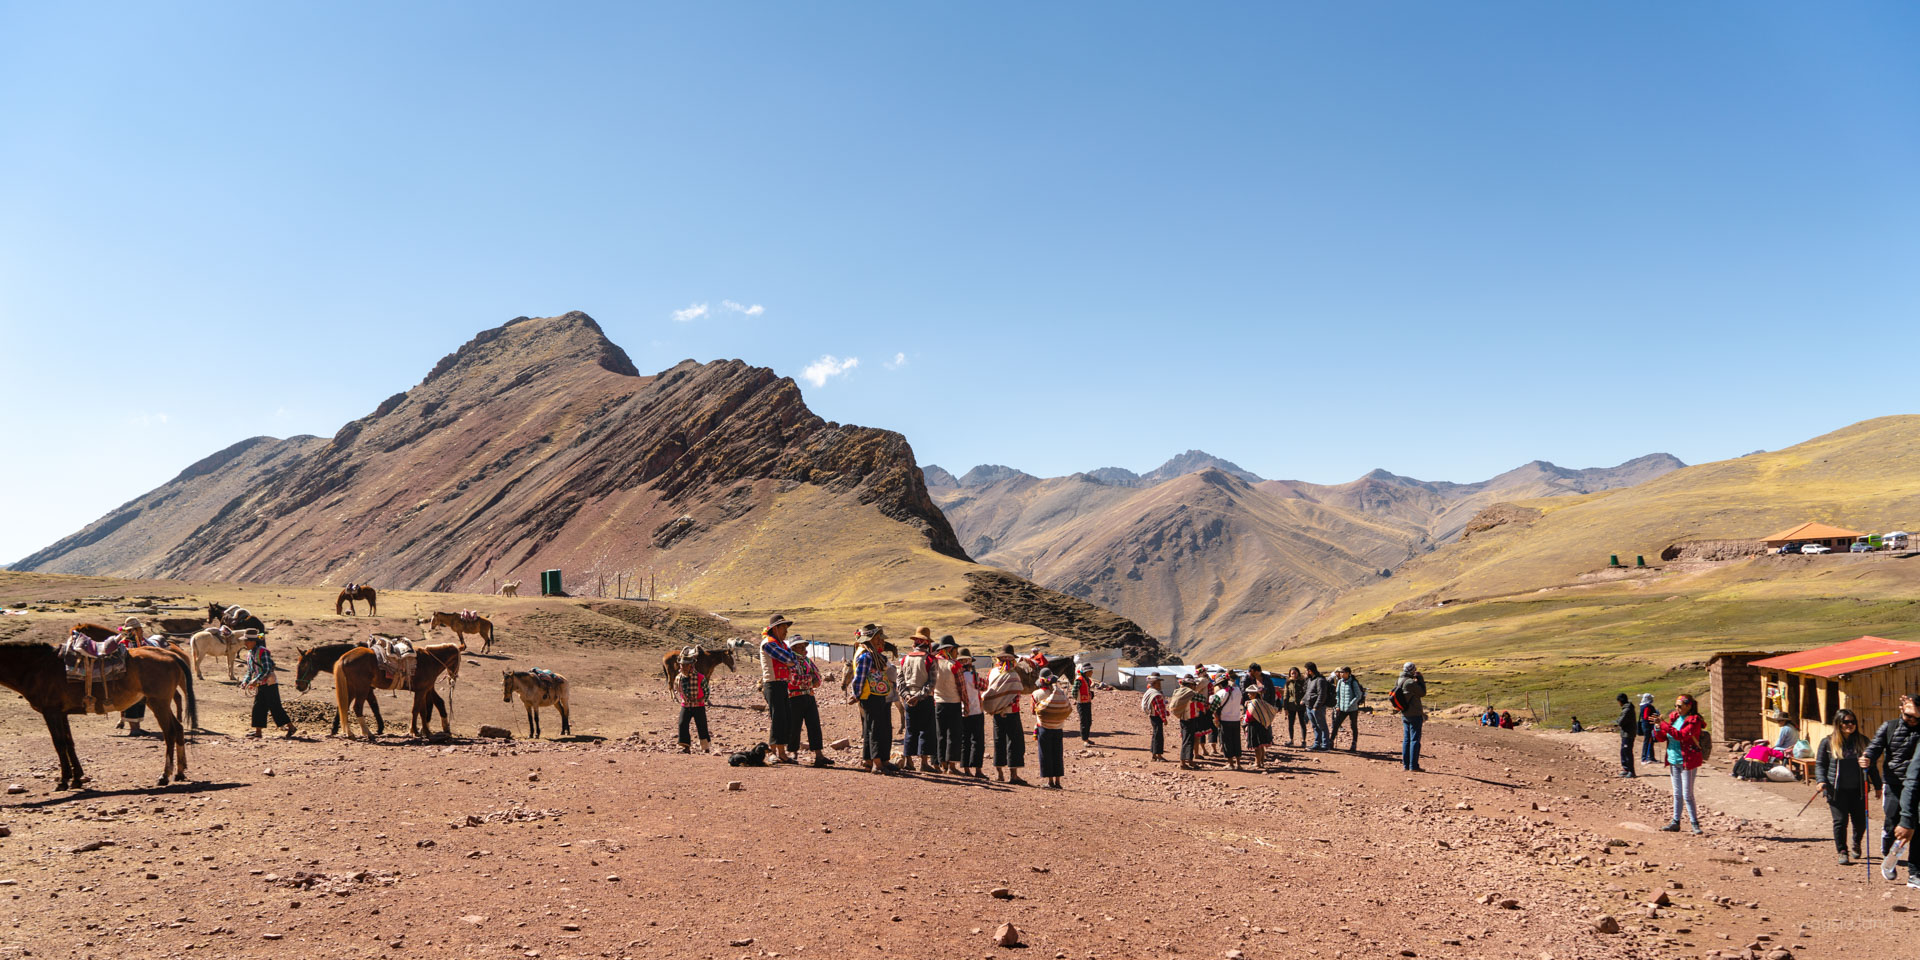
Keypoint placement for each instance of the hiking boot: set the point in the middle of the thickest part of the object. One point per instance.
(1845, 860)
(1913, 880)
(1626, 773)
(289, 734)
(1673, 826)
(686, 748)
(1695, 826)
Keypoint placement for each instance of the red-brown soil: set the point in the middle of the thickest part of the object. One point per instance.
(614, 845)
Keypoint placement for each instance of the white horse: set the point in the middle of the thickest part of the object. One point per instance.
(220, 642)
(511, 588)
(537, 689)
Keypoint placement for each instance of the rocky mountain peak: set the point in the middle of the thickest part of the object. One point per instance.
(535, 345)
(987, 473)
(1194, 461)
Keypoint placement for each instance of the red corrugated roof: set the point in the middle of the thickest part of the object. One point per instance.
(1813, 531)
(1853, 656)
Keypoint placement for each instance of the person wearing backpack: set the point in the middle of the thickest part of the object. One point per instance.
(1348, 696)
(1683, 731)
(1188, 706)
(1154, 705)
(1229, 707)
(1408, 698)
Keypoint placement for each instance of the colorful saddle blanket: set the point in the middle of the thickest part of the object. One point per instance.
(93, 660)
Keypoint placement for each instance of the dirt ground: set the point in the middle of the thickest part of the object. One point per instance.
(611, 844)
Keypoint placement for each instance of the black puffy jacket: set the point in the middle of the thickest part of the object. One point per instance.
(1894, 740)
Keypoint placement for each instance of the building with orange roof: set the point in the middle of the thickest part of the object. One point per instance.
(1805, 689)
(1826, 535)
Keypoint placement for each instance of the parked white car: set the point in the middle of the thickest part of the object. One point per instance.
(1815, 548)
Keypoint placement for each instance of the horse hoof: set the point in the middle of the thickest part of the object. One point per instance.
(163, 780)
(179, 778)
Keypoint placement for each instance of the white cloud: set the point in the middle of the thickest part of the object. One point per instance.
(899, 360)
(691, 313)
(752, 311)
(828, 366)
(148, 419)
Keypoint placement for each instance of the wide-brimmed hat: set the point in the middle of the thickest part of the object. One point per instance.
(872, 632)
(131, 622)
(690, 652)
(777, 620)
(1006, 651)
(797, 642)
(923, 633)
(946, 643)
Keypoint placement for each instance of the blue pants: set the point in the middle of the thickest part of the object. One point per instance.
(1410, 741)
(1646, 744)
(1322, 739)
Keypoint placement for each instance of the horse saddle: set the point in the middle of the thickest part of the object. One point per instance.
(90, 660)
(235, 615)
(394, 656)
(468, 616)
(223, 631)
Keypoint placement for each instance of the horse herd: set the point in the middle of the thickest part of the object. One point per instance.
(160, 670)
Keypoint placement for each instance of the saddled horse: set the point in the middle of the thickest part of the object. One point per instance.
(357, 592)
(703, 663)
(477, 625)
(357, 674)
(537, 689)
(236, 617)
(153, 675)
(222, 642)
(324, 657)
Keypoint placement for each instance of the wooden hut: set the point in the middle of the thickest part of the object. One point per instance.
(1866, 675)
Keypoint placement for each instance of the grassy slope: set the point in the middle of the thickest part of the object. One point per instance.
(1553, 624)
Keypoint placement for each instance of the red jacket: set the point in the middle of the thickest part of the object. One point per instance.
(1691, 728)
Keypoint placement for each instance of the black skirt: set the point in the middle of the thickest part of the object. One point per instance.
(1053, 753)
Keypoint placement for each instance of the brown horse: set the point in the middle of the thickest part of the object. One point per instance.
(235, 617)
(479, 626)
(537, 689)
(703, 664)
(357, 674)
(324, 657)
(34, 671)
(357, 592)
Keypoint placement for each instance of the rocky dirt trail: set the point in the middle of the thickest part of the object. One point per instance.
(1514, 846)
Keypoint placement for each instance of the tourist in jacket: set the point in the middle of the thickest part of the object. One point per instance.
(871, 689)
(1229, 710)
(1001, 701)
(776, 666)
(917, 671)
(690, 691)
(1318, 700)
(802, 679)
(1153, 703)
(1629, 723)
(1895, 741)
(1348, 696)
(1293, 697)
(1083, 701)
(1843, 779)
(973, 719)
(947, 707)
(257, 661)
(1681, 731)
(1409, 696)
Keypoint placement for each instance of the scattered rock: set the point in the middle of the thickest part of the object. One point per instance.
(1006, 935)
(268, 772)
(841, 744)
(742, 942)
(1509, 904)
(474, 919)
(424, 844)
(735, 784)
(1000, 893)
(1605, 923)
(497, 733)
(533, 778)
(13, 788)
(6, 831)
(90, 846)
(1661, 899)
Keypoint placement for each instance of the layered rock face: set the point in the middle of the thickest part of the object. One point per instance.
(535, 444)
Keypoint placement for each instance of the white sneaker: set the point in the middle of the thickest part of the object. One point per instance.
(1913, 880)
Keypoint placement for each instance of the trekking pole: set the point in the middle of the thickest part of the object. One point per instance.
(1810, 800)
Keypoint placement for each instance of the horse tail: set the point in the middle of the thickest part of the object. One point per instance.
(186, 682)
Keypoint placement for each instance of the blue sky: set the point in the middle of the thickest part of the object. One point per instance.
(1311, 238)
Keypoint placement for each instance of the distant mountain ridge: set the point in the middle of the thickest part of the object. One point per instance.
(538, 445)
(1217, 561)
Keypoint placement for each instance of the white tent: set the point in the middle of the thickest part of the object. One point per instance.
(1105, 665)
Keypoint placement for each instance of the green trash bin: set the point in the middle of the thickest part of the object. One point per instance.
(550, 584)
